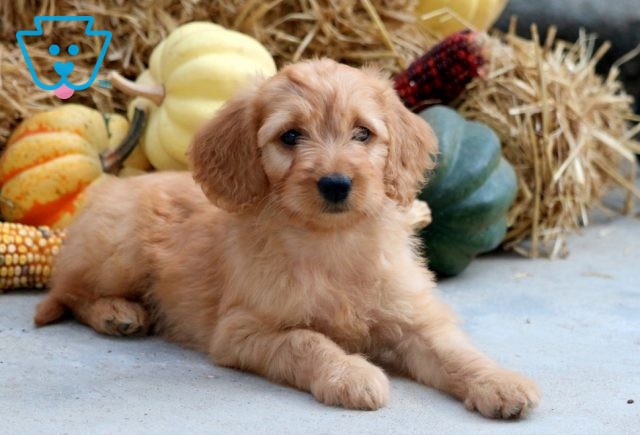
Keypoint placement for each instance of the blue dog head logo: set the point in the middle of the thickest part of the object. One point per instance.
(63, 88)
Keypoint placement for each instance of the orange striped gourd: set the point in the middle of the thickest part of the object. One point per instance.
(51, 158)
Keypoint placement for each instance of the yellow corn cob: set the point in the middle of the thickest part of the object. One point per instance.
(26, 255)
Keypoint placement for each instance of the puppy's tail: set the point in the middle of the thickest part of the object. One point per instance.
(48, 311)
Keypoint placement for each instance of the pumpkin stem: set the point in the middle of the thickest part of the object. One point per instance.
(153, 92)
(112, 160)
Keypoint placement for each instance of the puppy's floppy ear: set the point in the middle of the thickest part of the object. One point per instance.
(412, 147)
(225, 156)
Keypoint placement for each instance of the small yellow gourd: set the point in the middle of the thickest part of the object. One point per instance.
(444, 17)
(191, 74)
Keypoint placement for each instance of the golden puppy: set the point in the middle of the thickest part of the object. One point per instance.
(296, 263)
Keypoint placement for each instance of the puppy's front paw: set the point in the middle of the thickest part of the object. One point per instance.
(352, 382)
(502, 394)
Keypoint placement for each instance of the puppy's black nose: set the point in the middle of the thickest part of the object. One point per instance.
(334, 187)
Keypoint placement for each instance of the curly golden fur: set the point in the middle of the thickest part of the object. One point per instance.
(262, 273)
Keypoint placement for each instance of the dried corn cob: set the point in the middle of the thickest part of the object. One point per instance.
(26, 255)
(441, 74)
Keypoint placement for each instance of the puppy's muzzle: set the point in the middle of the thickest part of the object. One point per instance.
(335, 187)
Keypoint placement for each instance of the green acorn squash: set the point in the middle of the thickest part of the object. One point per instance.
(469, 192)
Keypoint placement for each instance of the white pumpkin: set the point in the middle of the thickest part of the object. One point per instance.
(191, 74)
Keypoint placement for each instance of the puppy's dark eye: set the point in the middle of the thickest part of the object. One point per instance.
(362, 134)
(290, 137)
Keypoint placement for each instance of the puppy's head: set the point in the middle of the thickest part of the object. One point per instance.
(322, 141)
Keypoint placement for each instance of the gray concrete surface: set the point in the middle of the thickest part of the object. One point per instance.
(573, 325)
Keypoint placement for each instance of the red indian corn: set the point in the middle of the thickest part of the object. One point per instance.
(442, 73)
(26, 255)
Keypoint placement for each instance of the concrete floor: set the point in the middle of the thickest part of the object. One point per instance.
(573, 325)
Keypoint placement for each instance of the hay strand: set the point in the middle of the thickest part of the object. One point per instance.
(564, 128)
(379, 32)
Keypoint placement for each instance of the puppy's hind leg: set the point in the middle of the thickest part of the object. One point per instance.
(49, 311)
(105, 302)
(114, 316)
(103, 270)
(107, 315)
